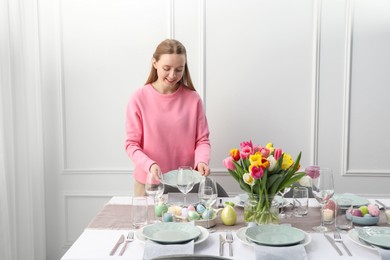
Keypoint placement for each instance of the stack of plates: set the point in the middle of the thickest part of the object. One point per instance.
(273, 235)
(172, 233)
(169, 178)
(367, 236)
(356, 201)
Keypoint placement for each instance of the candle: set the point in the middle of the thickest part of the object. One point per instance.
(167, 217)
(328, 215)
(388, 215)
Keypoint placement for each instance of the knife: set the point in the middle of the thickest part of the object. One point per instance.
(120, 241)
(331, 241)
(221, 242)
(380, 203)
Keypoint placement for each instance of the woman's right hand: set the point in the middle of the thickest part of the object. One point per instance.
(155, 170)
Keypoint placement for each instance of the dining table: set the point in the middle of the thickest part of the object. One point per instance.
(113, 220)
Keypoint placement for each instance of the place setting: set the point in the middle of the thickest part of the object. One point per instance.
(282, 241)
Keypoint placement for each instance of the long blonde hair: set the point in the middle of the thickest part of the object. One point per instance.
(171, 46)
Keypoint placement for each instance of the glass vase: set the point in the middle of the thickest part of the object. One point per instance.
(261, 209)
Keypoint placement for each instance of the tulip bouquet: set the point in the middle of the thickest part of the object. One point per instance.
(262, 172)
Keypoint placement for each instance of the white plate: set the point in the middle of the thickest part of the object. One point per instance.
(203, 235)
(354, 236)
(379, 236)
(242, 237)
(240, 200)
(169, 178)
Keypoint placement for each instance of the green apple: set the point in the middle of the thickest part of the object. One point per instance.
(229, 216)
(364, 210)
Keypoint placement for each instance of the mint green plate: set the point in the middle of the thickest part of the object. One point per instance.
(171, 232)
(378, 236)
(169, 178)
(356, 200)
(275, 235)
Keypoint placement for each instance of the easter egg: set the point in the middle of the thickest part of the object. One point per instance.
(207, 214)
(160, 209)
(356, 212)
(228, 216)
(364, 210)
(184, 212)
(191, 207)
(200, 208)
(193, 215)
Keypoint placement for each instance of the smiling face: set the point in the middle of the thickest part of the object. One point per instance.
(170, 70)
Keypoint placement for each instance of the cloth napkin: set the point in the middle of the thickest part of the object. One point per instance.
(153, 249)
(297, 252)
(384, 253)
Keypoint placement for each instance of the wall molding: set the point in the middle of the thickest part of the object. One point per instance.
(317, 8)
(345, 171)
(202, 51)
(67, 196)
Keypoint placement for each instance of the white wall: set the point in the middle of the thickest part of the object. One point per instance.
(308, 75)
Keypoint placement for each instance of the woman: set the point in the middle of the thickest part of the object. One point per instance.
(166, 126)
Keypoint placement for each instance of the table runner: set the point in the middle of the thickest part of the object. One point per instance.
(117, 216)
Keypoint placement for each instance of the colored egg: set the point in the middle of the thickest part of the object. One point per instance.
(191, 207)
(207, 214)
(160, 209)
(193, 215)
(184, 212)
(200, 208)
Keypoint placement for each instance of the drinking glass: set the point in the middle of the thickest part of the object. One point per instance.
(139, 212)
(283, 192)
(207, 194)
(154, 189)
(323, 190)
(301, 201)
(185, 181)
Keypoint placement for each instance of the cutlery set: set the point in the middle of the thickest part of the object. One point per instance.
(129, 238)
(227, 239)
(337, 239)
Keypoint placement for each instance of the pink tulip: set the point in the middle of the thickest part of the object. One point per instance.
(243, 144)
(257, 172)
(245, 152)
(228, 163)
(277, 153)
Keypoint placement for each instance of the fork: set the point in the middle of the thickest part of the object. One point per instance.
(337, 238)
(129, 238)
(229, 240)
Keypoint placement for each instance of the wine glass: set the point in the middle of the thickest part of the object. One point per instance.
(185, 181)
(283, 192)
(154, 189)
(207, 194)
(323, 190)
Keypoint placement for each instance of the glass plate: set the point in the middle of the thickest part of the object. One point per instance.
(379, 236)
(356, 200)
(171, 232)
(354, 236)
(275, 235)
(169, 178)
(203, 235)
(242, 237)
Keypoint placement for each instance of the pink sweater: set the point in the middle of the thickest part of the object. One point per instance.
(168, 129)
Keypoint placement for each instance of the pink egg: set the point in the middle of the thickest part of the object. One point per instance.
(191, 207)
(184, 212)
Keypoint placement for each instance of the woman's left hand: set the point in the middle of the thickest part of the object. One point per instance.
(203, 169)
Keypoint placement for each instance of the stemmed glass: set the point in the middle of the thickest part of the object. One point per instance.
(154, 189)
(207, 194)
(323, 190)
(185, 181)
(283, 192)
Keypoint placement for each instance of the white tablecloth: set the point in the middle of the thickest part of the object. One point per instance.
(96, 244)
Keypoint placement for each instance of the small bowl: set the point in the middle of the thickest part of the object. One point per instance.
(364, 221)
